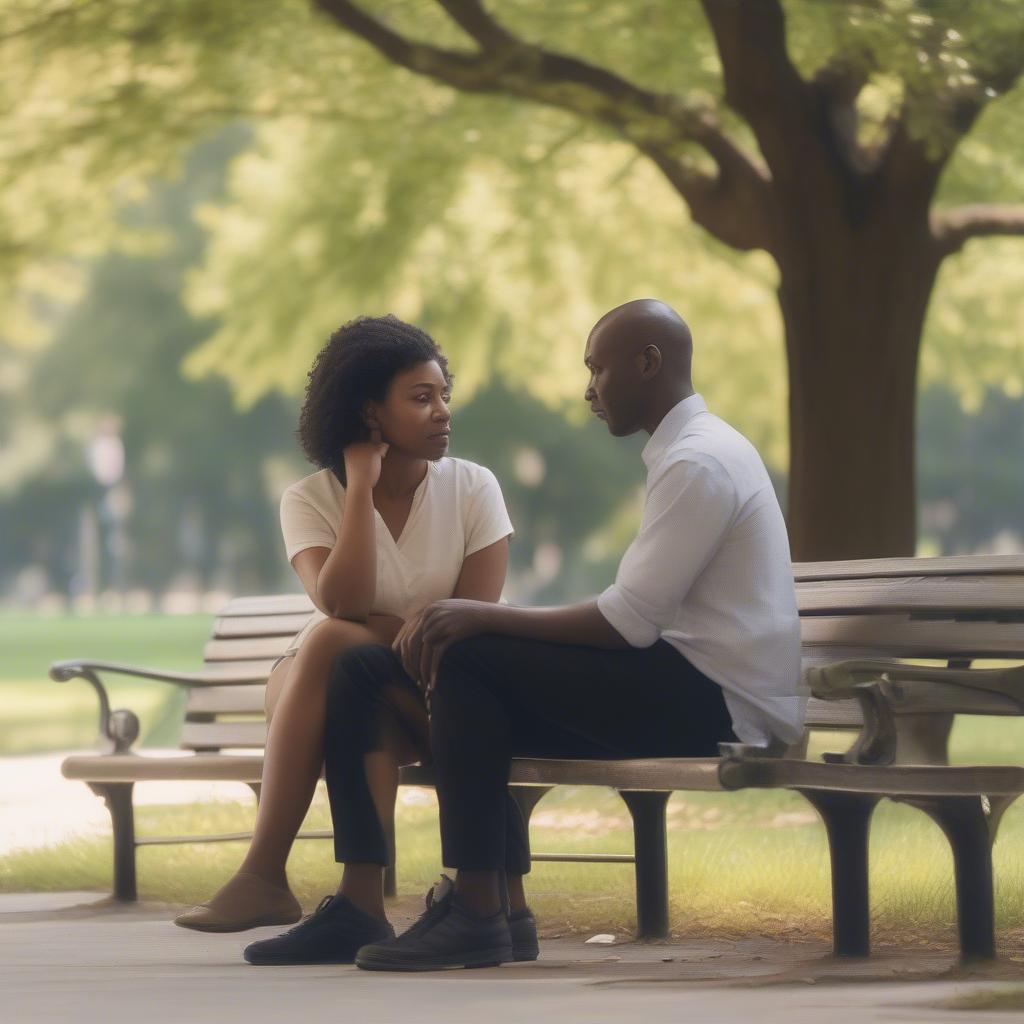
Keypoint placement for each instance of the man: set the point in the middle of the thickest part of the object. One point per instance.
(695, 643)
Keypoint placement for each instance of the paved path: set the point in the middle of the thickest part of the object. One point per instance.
(71, 958)
(38, 806)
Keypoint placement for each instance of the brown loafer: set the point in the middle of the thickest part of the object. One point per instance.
(245, 901)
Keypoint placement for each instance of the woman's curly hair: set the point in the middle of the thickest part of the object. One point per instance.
(357, 365)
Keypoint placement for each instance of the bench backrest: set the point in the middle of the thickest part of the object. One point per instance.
(955, 609)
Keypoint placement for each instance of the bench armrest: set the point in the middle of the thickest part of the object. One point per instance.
(774, 748)
(886, 689)
(61, 671)
(842, 679)
(119, 728)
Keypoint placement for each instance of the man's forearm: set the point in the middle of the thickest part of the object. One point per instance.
(581, 624)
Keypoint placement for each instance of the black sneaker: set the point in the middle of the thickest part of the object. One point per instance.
(445, 935)
(523, 927)
(330, 935)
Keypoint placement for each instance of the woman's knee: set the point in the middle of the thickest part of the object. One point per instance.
(357, 674)
(331, 637)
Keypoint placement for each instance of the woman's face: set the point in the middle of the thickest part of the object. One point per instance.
(414, 416)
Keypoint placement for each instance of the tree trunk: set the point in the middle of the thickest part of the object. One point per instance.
(854, 298)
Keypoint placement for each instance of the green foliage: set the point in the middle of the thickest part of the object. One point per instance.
(505, 228)
(193, 463)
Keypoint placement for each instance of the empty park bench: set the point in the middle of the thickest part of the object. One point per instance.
(858, 620)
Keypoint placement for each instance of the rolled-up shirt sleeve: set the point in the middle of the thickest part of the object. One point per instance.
(686, 514)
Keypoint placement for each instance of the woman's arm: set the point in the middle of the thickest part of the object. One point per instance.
(347, 581)
(482, 578)
(483, 573)
(308, 564)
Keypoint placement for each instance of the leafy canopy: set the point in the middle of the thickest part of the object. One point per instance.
(504, 227)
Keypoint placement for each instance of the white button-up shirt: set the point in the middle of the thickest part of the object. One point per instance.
(710, 572)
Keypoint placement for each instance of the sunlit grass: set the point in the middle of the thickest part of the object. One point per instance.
(37, 714)
(1005, 999)
(740, 864)
(755, 861)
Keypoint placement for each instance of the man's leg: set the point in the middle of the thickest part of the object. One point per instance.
(499, 697)
(376, 721)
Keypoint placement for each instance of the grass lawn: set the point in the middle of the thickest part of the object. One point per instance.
(739, 862)
(39, 714)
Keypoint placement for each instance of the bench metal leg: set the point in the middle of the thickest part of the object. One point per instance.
(527, 797)
(391, 871)
(118, 798)
(847, 818)
(651, 846)
(963, 820)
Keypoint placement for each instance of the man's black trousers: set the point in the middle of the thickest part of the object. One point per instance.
(500, 697)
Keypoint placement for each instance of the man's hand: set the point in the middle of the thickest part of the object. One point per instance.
(437, 627)
(408, 642)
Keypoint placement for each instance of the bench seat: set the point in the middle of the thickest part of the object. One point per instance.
(858, 620)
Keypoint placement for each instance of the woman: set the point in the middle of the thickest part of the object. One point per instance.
(386, 527)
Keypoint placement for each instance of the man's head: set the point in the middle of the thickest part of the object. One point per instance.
(639, 358)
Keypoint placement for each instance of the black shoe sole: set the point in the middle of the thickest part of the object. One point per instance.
(475, 958)
(284, 962)
(245, 926)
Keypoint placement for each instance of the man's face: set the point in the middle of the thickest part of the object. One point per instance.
(614, 387)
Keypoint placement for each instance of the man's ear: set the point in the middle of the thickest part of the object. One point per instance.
(650, 362)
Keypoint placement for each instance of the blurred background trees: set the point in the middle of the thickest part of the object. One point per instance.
(195, 195)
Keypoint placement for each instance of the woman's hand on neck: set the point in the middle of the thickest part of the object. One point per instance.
(400, 475)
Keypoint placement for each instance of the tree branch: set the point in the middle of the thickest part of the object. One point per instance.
(656, 123)
(952, 228)
(837, 84)
(761, 83)
(471, 17)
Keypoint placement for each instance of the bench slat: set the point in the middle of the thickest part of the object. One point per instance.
(147, 768)
(943, 565)
(957, 594)
(223, 673)
(905, 780)
(226, 700)
(220, 735)
(233, 627)
(902, 637)
(267, 604)
(833, 714)
(246, 648)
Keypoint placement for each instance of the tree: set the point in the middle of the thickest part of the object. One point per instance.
(200, 475)
(819, 134)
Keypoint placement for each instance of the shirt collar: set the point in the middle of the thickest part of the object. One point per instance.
(671, 426)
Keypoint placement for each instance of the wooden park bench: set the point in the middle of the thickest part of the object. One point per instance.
(857, 620)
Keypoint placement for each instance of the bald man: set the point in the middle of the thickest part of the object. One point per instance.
(695, 643)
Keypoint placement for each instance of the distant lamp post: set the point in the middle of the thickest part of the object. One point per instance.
(105, 456)
(105, 453)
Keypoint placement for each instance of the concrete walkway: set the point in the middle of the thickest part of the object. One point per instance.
(39, 807)
(70, 957)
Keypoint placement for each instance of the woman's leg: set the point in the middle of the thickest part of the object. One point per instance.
(376, 721)
(294, 750)
(403, 737)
